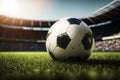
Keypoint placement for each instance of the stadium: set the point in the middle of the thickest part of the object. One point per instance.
(21, 36)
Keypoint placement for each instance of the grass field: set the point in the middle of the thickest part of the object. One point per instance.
(39, 65)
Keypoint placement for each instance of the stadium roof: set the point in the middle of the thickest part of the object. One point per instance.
(108, 13)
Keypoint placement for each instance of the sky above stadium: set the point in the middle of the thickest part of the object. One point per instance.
(50, 9)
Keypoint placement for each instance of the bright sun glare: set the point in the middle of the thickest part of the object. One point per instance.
(9, 7)
(24, 8)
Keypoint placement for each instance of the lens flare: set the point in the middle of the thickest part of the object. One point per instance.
(9, 7)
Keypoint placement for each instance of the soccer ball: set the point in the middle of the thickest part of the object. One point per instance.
(69, 39)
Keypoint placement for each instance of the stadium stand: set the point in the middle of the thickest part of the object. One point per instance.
(105, 23)
(6, 20)
(108, 45)
(29, 35)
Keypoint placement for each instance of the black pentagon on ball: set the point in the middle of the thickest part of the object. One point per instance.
(63, 40)
(52, 55)
(74, 21)
(87, 41)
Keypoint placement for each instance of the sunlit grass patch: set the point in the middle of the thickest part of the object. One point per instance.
(39, 65)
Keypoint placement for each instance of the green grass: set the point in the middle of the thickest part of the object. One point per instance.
(39, 65)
